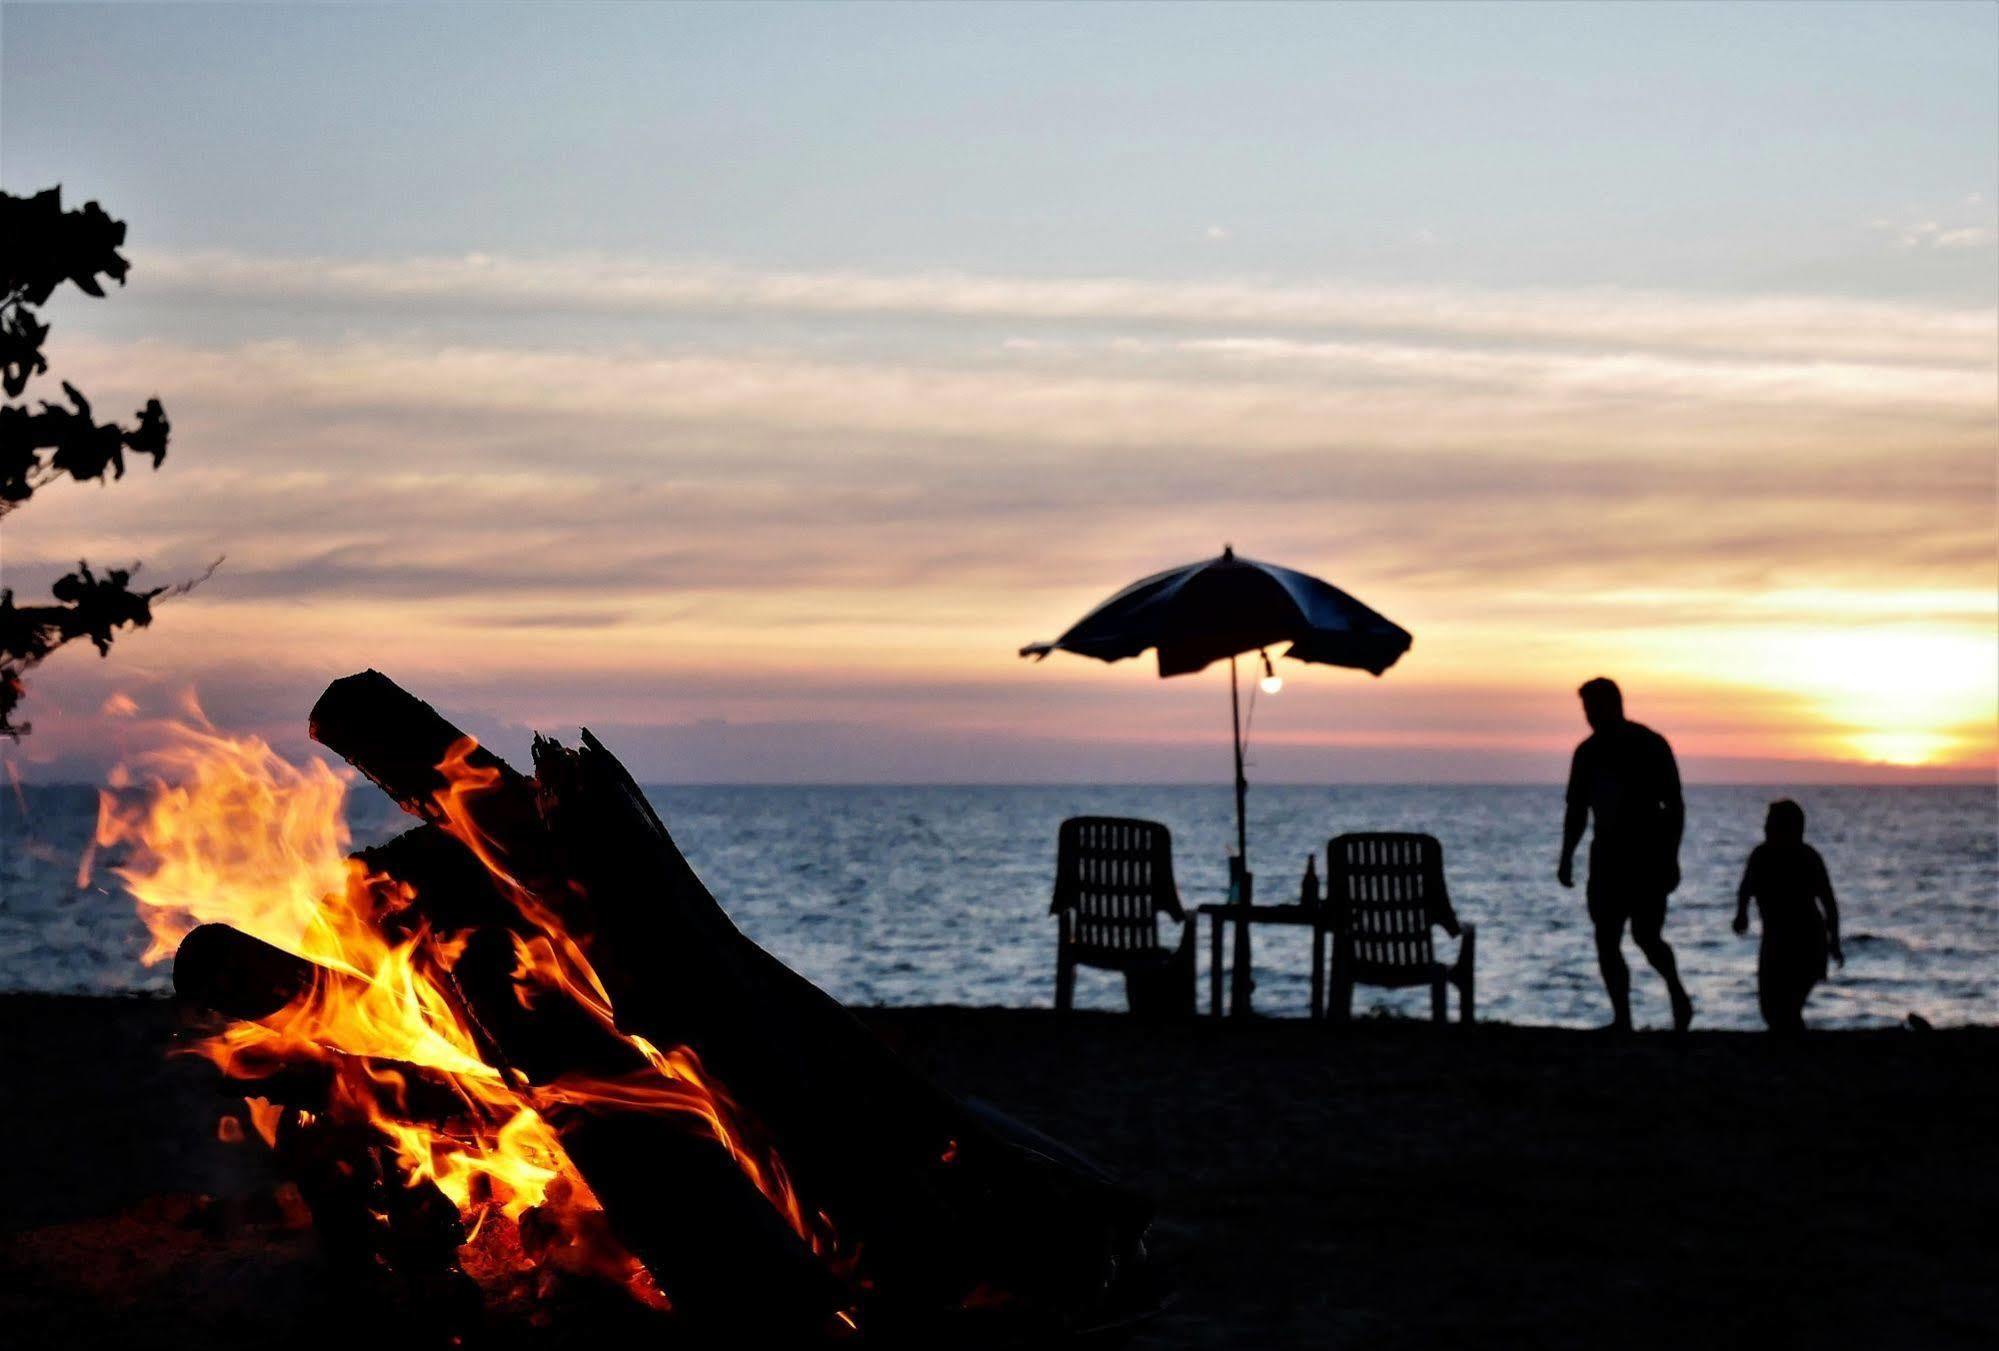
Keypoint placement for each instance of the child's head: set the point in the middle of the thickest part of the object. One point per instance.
(1785, 824)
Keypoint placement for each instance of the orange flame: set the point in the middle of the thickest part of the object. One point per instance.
(227, 830)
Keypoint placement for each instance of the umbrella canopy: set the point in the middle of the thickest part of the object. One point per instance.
(1220, 608)
(1197, 614)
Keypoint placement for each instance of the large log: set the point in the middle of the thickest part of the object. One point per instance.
(674, 1195)
(726, 1257)
(401, 744)
(392, 1239)
(227, 971)
(940, 1206)
(455, 898)
(939, 1203)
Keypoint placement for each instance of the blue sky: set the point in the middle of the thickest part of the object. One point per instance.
(757, 378)
(1678, 145)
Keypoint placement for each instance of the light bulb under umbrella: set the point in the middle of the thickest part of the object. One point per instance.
(1271, 682)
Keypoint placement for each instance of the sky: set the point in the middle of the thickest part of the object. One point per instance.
(749, 383)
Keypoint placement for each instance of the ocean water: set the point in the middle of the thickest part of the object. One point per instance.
(926, 895)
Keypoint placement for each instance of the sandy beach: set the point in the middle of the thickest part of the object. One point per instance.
(1392, 1185)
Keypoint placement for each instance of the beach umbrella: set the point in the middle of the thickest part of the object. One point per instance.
(1196, 615)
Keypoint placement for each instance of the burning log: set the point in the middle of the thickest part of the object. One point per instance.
(393, 1238)
(943, 1206)
(674, 1193)
(451, 893)
(229, 972)
(220, 968)
(942, 1202)
(682, 1201)
(676, 1196)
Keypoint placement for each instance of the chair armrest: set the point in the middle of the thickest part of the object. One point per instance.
(1467, 943)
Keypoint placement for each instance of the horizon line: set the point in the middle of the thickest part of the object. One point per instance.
(1966, 782)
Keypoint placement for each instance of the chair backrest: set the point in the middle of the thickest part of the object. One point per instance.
(1385, 889)
(1113, 874)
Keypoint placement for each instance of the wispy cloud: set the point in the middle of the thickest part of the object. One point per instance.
(660, 529)
(1817, 327)
(1259, 394)
(1917, 235)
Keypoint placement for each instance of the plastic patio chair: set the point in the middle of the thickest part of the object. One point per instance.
(1113, 879)
(1386, 892)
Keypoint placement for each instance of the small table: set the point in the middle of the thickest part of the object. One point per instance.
(1317, 917)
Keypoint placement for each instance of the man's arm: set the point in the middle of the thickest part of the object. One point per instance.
(1742, 894)
(1675, 803)
(1573, 825)
(1574, 822)
(1831, 911)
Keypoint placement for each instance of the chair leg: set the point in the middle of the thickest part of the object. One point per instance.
(1439, 1009)
(1184, 980)
(1342, 1000)
(1214, 966)
(1318, 973)
(1467, 950)
(1065, 982)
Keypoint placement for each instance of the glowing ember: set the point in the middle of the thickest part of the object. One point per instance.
(225, 829)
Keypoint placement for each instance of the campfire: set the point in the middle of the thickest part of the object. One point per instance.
(519, 1050)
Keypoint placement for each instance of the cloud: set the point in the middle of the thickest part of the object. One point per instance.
(1814, 327)
(1619, 374)
(812, 523)
(1261, 394)
(494, 477)
(1915, 236)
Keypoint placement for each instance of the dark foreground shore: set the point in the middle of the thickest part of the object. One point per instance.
(1392, 1185)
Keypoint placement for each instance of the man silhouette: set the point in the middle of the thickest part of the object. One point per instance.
(1624, 776)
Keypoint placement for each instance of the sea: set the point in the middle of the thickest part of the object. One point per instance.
(939, 895)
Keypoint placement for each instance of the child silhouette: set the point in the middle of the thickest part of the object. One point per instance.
(1800, 917)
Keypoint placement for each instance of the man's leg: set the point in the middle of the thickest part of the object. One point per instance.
(1648, 922)
(1616, 975)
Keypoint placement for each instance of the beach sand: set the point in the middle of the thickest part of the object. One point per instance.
(1390, 1185)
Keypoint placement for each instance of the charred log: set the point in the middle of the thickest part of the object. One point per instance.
(942, 1203)
(673, 1193)
(393, 1239)
(225, 969)
(401, 744)
(448, 893)
(726, 1256)
(452, 890)
(945, 1208)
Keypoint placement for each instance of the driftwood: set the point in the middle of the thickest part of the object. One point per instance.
(943, 1206)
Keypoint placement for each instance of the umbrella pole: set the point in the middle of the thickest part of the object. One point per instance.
(1240, 984)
